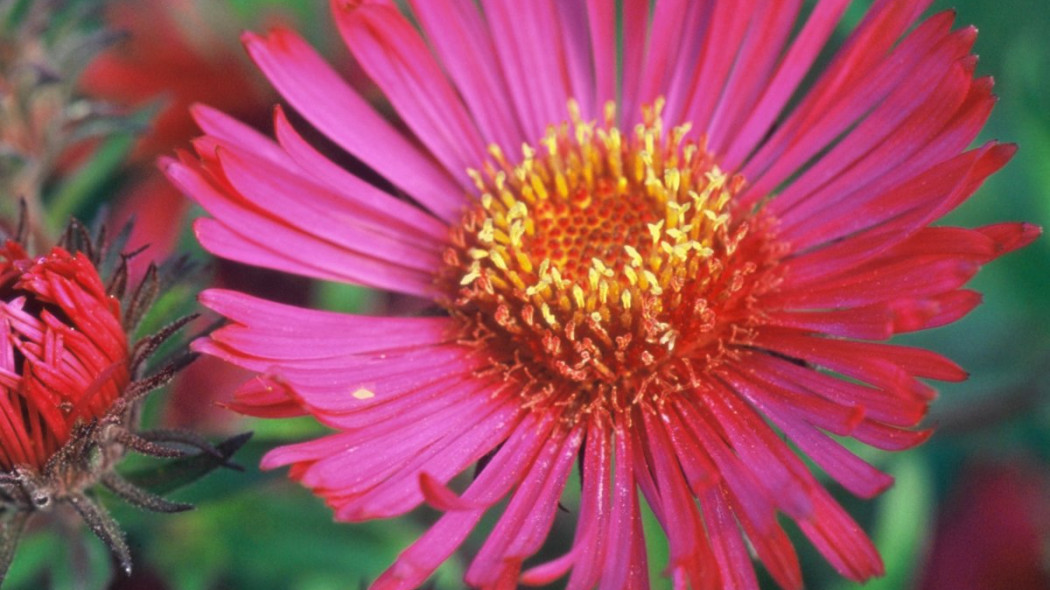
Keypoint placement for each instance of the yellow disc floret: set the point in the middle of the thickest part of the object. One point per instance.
(591, 271)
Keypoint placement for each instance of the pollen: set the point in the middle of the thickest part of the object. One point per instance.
(363, 394)
(594, 269)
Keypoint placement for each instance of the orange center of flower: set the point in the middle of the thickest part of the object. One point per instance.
(605, 269)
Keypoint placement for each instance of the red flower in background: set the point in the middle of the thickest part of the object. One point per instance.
(64, 358)
(679, 271)
(174, 55)
(994, 532)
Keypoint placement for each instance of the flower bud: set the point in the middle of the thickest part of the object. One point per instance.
(63, 355)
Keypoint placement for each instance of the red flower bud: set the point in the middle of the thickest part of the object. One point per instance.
(63, 354)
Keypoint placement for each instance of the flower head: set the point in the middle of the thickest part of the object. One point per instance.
(663, 271)
(65, 357)
(71, 385)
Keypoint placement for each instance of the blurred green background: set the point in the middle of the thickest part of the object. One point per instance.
(975, 497)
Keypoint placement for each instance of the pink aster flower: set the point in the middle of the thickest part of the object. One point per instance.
(662, 259)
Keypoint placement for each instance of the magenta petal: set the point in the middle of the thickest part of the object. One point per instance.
(625, 560)
(505, 470)
(673, 49)
(760, 47)
(279, 331)
(834, 103)
(270, 190)
(393, 55)
(283, 245)
(227, 130)
(373, 207)
(690, 553)
(901, 407)
(264, 397)
(328, 103)
(841, 541)
(729, 23)
(528, 48)
(751, 504)
(588, 551)
(843, 466)
(789, 73)
(636, 46)
(602, 16)
(438, 495)
(461, 40)
(728, 546)
(529, 515)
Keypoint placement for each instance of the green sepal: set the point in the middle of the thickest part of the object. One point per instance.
(171, 475)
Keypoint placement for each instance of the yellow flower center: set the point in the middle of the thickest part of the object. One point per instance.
(599, 272)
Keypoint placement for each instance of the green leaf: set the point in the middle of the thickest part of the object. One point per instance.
(657, 548)
(344, 297)
(280, 537)
(78, 561)
(13, 12)
(75, 192)
(35, 552)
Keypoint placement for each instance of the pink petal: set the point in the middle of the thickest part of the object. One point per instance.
(893, 142)
(675, 44)
(859, 78)
(225, 129)
(633, 51)
(602, 19)
(722, 42)
(625, 559)
(462, 41)
(506, 469)
(759, 50)
(781, 86)
(841, 541)
(730, 552)
(901, 407)
(264, 328)
(741, 487)
(908, 278)
(871, 322)
(579, 58)
(690, 552)
(907, 206)
(265, 241)
(529, 515)
(372, 206)
(588, 547)
(271, 191)
(533, 60)
(329, 104)
(394, 55)
(264, 397)
(839, 355)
